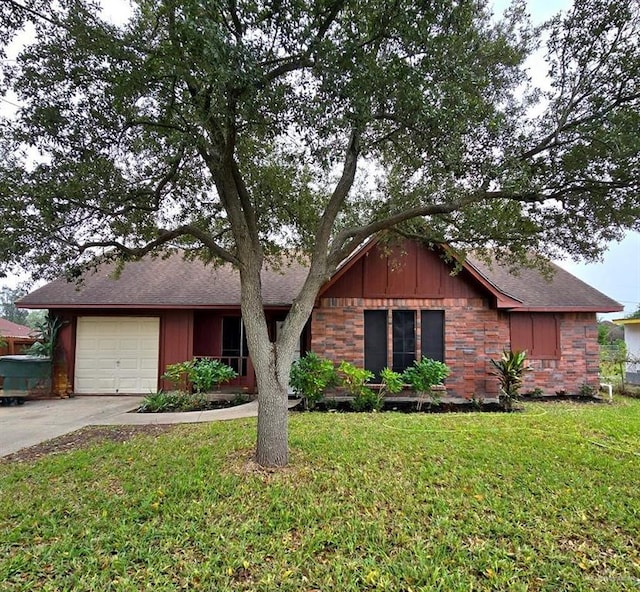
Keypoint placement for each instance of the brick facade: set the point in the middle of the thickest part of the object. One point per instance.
(475, 333)
(579, 359)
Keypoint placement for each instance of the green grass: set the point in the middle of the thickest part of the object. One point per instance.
(547, 499)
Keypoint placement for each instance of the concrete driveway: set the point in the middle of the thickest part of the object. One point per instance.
(37, 421)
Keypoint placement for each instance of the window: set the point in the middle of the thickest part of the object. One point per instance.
(432, 334)
(404, 339)
(375, 341)
(234, 344)
(535, 333)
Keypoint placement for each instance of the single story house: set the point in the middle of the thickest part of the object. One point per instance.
(632, 341)
(381, 308)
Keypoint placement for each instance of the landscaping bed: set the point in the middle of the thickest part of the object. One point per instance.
(176, 401)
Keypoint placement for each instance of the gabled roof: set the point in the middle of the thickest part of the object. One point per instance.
(11, 329)
(172, 282)
(176, 283)
(528, 290)
(563, 292)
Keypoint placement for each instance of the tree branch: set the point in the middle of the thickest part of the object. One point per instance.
(551, 140)
(341, 190)
(165, 236)
(35, 13)
(349, 239)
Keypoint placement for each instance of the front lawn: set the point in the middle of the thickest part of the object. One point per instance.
(547, 499)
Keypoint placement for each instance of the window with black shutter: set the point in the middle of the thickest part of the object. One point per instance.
(404, 339)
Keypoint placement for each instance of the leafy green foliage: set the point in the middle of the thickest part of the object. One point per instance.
(8, 309)
(613, 358)
(208, 374)
(392, 382)
(165, 402)
(311, 376)
(203, 374)
(354, 381)
(425, 374)
(510, 370)
(46, 332)
(179, 374)
(635, 314)
(394, 503)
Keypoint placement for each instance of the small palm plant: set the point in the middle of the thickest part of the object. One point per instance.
(510, 370)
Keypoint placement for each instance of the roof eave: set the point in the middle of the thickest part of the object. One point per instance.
(565, 309)
(503, 300)
(148, 306)
(626, 321)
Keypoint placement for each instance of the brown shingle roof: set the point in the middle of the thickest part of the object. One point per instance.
(174, 282)
(170, 282)
(11, 329)
(563, 291)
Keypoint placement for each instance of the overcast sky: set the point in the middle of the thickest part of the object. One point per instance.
(617, 275)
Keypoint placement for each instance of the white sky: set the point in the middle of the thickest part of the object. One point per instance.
(617, 275)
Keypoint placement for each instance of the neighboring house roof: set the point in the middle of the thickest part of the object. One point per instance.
(11, 329)
(632, 321)
(172, 282)
(176, 283)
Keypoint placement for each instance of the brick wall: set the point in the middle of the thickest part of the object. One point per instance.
(579, 360)
(474, 334)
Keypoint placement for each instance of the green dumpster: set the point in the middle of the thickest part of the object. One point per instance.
(24, 375)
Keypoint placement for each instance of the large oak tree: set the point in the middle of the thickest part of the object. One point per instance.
(243, 129)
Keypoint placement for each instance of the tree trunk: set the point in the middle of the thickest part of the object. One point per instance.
(272, 448)
(272, 361)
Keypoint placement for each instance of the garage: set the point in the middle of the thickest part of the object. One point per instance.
(117, 355)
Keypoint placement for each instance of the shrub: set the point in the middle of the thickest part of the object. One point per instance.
(310, 376)
(209, 374)
(392, 382)
(510, 370)
(202, 374)
(354, 381)
(586, 390)
(164, 402)
(613, 358)
(424, 375)
(179, 374)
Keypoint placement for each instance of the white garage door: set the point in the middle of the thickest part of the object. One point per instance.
(117, 355)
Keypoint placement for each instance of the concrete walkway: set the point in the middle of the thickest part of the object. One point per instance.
(38, 421)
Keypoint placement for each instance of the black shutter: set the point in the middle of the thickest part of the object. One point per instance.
(375, 341)
(404, 339)
(433, 334)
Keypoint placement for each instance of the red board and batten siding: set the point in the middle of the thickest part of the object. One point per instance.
(413, 271)
(176, 340)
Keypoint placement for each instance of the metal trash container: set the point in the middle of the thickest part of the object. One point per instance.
(24, 375)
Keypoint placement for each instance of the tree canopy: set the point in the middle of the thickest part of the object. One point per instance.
(134, 135)
(8, 309)
(237, 129)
